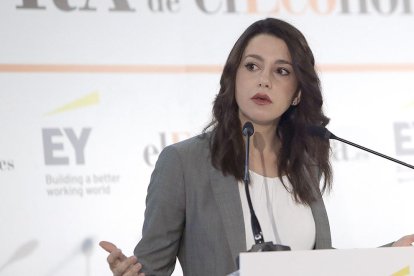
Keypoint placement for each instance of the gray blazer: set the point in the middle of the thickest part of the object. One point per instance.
(194, 212)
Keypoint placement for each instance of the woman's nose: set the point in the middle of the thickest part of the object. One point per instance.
(264, 80)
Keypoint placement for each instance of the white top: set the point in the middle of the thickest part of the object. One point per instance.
(283, 221)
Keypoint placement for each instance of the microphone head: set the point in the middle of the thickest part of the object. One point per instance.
(248, 129)
(87, 246)
(320, 131)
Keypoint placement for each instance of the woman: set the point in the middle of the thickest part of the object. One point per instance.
(196, 203)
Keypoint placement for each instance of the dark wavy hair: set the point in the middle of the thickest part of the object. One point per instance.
(303, 158)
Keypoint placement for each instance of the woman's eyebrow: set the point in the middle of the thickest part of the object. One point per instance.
(279, 61)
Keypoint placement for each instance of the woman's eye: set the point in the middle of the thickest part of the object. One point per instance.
(251, 66)
(283, 71)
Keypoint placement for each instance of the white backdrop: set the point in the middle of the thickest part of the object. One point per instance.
(91, 91)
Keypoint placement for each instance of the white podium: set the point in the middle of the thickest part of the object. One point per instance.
(335, 262)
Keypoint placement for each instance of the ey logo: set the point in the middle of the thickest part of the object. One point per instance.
(57, 141)
(51, 146)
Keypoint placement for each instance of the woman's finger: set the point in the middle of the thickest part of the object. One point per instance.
(133, 270)
(124, 266)
(107, 246)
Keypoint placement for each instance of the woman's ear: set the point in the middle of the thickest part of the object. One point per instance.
(296, 99)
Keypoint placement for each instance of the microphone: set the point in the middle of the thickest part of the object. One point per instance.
(324, 133)
(247, 131)
(260, 244)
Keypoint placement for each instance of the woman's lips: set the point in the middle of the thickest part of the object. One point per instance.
(261, 99)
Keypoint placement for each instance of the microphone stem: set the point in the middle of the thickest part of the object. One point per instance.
(246, 178)
(373, 152)
(257, 230)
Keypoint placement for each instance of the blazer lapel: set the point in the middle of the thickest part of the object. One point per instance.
(226, 193)
(323, 232)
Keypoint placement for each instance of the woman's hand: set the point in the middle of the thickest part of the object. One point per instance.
(404, 241)
(120, 264)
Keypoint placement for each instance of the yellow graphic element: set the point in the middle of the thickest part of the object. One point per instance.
(88, 100)
(403, 272)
